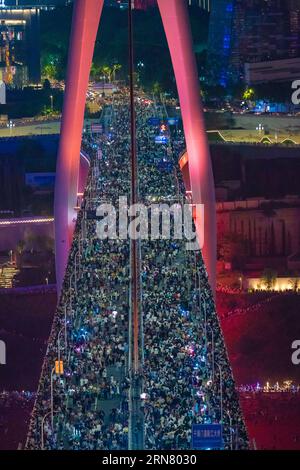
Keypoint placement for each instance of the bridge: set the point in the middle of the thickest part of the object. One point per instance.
(184, 377)
(136, 356)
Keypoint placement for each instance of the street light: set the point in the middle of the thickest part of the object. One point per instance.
(65, 325)
(221, 391)
(59, 370)
(75, 283)
(77, 254)
(58, 341)
(51, 396)
(213, 351)
(51, 99)
(42, 429)
(11, 126)
(201, 298)
(231, 431)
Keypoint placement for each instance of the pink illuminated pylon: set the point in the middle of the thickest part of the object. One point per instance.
(176, 22)
(85, 23)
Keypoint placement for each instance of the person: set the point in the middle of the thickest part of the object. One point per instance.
(178, 358)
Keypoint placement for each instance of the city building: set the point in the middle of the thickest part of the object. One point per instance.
(19, 46)
(204, 4)
(144, 4)
(2, 91)
(269, 228)
(250, 31)
(272, 71)
(137, 4)
(220, 41)
(35, 3)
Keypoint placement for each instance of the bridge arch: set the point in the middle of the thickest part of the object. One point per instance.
(86, 19)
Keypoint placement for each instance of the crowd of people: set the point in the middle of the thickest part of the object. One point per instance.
(185, 374)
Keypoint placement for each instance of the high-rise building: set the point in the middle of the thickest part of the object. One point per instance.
(137, 4)
(204, 4)
(2, 91)
(249, 31)
(144, 4)
(19, 46)
(220, 41)
(35, 3)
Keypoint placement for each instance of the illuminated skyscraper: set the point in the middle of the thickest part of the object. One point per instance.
(250, 31)
(220, 40)
(19, 45)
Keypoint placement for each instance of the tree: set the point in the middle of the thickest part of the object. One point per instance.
(295, 283)
(268, 278)
(107, 72)
(47, 84)
(115, 69)
(156, 88)
(233, 249)
(96, 72)
(249, 94)
(50, 71)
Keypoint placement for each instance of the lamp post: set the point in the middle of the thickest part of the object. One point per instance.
(51, 396)
(221, 391)
(75, 282)
(77, 254)
(42, 429)
(230, 427)
(79, 244)
(213, 351)
(51, 99)
(58, 342)
(136, 415)
(65, 325)
(201, 299)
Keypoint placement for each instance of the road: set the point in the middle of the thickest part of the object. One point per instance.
(35, 128)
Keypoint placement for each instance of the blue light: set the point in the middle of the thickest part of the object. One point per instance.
(226, 41)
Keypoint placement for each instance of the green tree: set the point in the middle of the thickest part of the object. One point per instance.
(249, 94)
(96, 72)
(107, 72)
(157, 88)
(295, 283)
(268, 278)
(115, 69)
(49, 71)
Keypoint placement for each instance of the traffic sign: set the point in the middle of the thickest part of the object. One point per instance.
(207, 436)
(161, 139)
(97, 128)
(173, 121)
(154, 121)
(59, 367)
